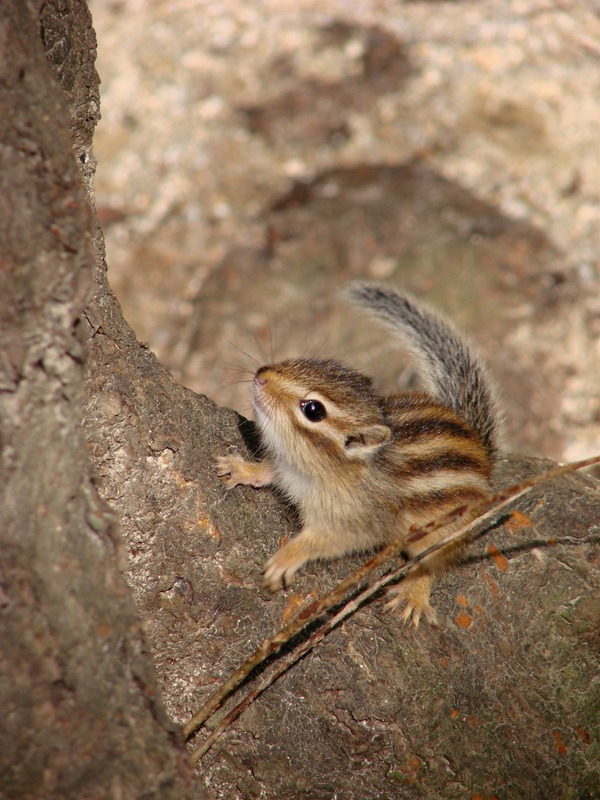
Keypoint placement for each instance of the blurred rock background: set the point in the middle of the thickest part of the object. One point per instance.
(254, 157)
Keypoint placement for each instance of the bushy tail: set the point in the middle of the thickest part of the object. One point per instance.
(449, 368)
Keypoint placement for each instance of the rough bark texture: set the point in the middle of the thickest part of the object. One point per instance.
(501, 700)
(80, 710)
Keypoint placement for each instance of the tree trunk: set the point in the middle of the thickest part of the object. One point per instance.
(81, 714)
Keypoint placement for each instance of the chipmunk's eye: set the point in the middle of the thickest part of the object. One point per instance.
(313, 410)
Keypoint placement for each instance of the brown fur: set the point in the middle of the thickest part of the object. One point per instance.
(370, 470)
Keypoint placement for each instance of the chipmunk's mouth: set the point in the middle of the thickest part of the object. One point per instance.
(265, 410)
(258, 399)
(258, 403)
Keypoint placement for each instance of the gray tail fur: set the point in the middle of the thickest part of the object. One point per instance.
(450, 369)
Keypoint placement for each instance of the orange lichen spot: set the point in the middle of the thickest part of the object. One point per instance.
(552, 542)
(474, 722)
(491, 583)
(478, 609)
(517, 521)
(463, 620)
(461, 600)
(165, 459)
(208, 526)
(478, 797)
(560, 745)
(455, 713)
(499, 560)
(412, 766)
(104, 630)
(444, 662)
(583, 734)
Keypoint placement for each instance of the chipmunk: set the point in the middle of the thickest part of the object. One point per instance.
(363, 469)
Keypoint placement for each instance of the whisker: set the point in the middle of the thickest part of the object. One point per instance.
(234, 383)
(272, 339)
(225, 386)
(231, 366)
(250, 358)
(319, 349)
(261, 349)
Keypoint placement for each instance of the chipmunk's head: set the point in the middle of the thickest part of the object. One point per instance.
(315, 413)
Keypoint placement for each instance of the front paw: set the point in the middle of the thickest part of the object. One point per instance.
(231, 467)
(280, 570)
(248, 473)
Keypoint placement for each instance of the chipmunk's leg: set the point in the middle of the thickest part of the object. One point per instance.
(310, 544)
(240, 471)
(415, 589)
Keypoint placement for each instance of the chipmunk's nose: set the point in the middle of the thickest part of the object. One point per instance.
(260, 379)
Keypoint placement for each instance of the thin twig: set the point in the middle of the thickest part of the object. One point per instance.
(286, 661)
(476, 513)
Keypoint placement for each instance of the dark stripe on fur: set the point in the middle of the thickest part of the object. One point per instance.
(447, 460)
(416, 429)
(436, 503)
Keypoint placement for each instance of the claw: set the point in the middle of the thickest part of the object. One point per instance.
(240, 471)
(225, 467)
(280, 570)
(278, 576)
(416, 605)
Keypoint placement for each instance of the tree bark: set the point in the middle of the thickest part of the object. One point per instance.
(81, 715)
(499, 701)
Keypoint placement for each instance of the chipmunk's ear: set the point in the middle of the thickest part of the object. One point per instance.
(366, 440)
